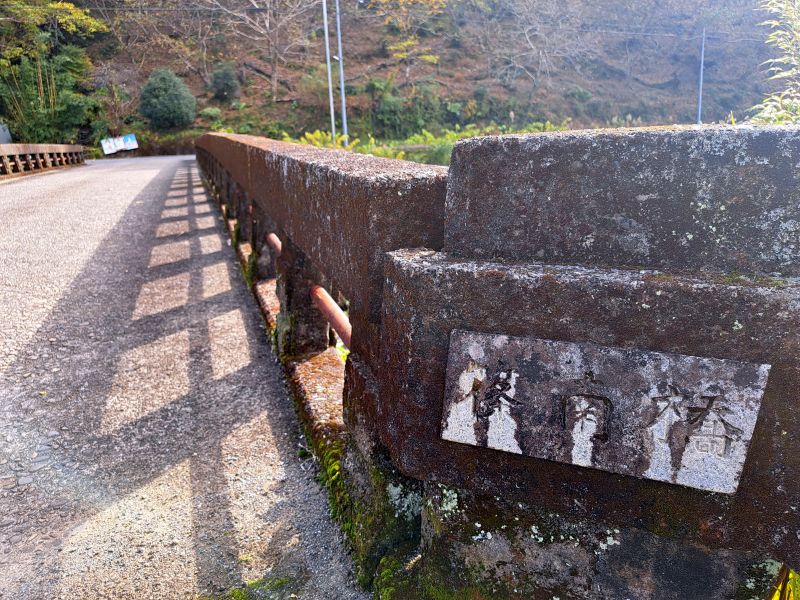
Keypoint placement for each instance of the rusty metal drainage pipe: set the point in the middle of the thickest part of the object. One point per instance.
(274, 242)
(333, 313)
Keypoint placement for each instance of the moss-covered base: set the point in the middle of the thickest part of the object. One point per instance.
(379, 511)
(480, 548)
(267, 588)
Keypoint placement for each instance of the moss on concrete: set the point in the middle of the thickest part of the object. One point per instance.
(433, 576)
(249, 270)
(377, 509)
(266, 588)
(438, 570)
(485, 547)
(236, 232)
(284, 325)
(374, 507)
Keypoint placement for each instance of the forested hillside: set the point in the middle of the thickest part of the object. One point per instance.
(414, 64)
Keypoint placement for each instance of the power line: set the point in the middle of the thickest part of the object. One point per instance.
(719, 35)
(682, 33)
(155, 9)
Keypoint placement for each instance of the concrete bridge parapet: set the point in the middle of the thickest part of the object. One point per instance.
(19, 159)
(573, 355)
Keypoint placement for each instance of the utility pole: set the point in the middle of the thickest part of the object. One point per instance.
(328, 62)
(700, 86)
(341, 75)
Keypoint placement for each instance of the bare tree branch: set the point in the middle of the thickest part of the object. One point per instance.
(281, 27)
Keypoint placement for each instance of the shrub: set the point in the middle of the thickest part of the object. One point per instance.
(579, 94)
(166, 101)
(396, 117)
(210, 113)
(424, 147)
(224, 83)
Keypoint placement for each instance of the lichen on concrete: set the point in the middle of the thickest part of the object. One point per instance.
(484, 547)
(760, 581)
(382, 514)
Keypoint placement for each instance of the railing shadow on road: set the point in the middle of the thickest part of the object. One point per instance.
(158, 364)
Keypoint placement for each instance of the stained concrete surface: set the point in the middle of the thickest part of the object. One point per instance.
(148, 448)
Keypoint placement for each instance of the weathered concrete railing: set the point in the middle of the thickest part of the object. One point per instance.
(16, 159)
(590, 359)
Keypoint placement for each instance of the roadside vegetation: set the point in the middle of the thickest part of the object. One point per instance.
(45, 92)
(423, 147)
(420, 74)
(783, 105)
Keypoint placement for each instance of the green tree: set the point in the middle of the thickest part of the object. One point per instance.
(34, 28)
(43, 99)
(782, 106)
(44, 89)
(224, 83)
(166, 101)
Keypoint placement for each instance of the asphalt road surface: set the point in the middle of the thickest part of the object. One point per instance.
(148, 447)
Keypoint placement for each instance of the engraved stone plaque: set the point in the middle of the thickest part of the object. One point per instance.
(669, 417)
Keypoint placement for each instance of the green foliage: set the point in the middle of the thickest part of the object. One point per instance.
(224, 82)
(342, 350)
(782, 106)
(322, 139)
(33, 28)
(627, 121)
(423, 147)
(397, 112)
(42, 99)
(263, 589)
(313, 86)
(44, 90)
(166, 101)
(210, 113)
(788, 586)
(394, 116)
(426, 147)
(579, 94)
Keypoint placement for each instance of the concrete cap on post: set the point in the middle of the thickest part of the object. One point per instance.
(698, 198)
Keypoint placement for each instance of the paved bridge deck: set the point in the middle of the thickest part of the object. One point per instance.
(148, 448)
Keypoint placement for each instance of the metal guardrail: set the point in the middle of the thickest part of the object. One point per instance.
(18, 159)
